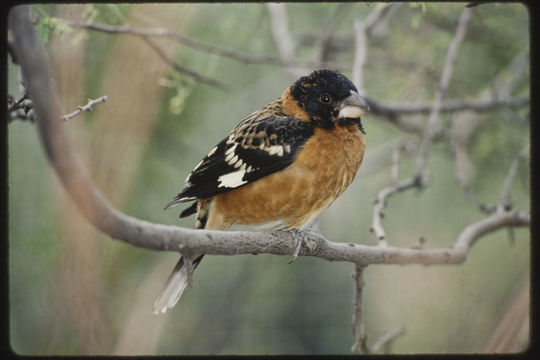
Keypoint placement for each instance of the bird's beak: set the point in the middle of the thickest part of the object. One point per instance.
(353, 106)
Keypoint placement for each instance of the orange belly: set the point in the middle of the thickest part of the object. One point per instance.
(296, 195)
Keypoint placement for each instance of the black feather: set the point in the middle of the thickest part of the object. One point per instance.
(192, 209)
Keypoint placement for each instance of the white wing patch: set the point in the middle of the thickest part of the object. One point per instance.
(232, 180)
(275, 150)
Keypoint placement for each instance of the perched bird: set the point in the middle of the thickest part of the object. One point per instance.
(280, 167)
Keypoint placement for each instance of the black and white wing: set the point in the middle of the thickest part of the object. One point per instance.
(255, 148)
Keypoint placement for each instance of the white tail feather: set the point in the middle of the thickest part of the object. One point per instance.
(174, 287)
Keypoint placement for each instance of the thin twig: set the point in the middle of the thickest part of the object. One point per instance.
(87, 107)
(380, 204)
(191, 73)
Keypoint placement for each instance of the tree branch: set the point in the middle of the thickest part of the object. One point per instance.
(328, 29)
(282, 36)
(146, 35)
(182, 69)
(505, 201)
(448, 68)
(360, 337)
(360, 55)
(450, 106)
(87, 107)
(195, 44)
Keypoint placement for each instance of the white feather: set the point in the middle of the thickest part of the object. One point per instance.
(276, 150)
(212, 151)
(232, 180)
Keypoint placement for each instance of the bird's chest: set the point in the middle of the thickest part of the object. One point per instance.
(333, 158)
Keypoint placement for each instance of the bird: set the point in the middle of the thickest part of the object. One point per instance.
(279, 168)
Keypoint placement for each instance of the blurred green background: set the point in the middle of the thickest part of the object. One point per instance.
(74, 291)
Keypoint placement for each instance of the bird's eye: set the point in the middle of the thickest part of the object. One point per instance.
(325, 98)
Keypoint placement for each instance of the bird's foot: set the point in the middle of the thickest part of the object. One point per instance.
(309, 244)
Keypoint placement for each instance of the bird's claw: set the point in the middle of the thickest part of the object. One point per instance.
(308, 243)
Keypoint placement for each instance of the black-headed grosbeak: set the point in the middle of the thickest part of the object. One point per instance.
(280, 166)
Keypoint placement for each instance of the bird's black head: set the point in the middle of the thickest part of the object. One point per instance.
(328, 97)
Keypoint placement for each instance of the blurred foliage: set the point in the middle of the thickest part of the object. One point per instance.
(259, 304)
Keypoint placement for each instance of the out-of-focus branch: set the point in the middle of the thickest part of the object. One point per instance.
(195, 44)
(448, 68)
(458, 148)
(387, 338)
(182, 69)
(360, 55)
(380, 14)
(282, 36)
(146, 35)
(327, 31)
(449, 106)
(362, 31)
(360, 337)
(505, 202)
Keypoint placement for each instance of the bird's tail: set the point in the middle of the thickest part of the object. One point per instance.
(174, 287)
(178, 280)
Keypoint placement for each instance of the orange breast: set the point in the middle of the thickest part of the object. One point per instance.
(296, 195)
